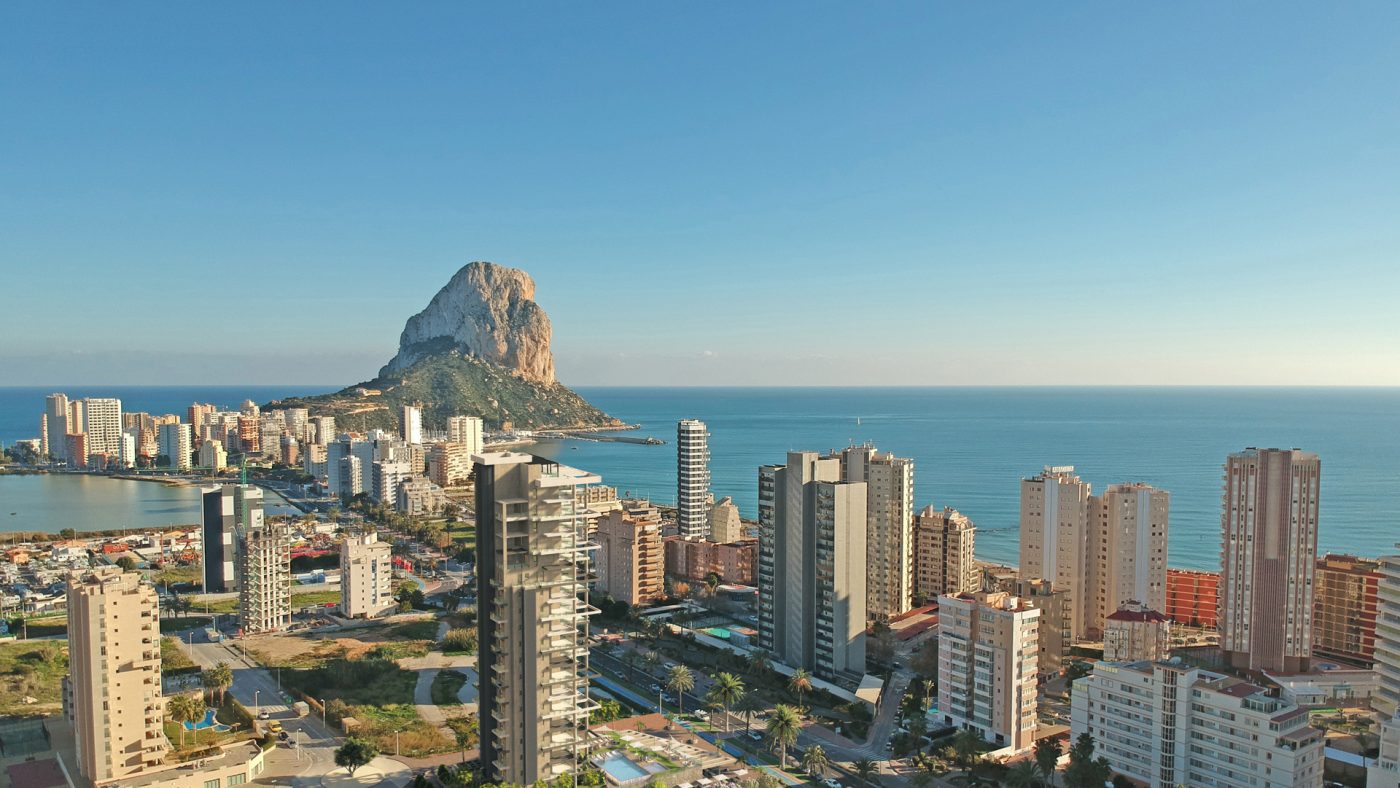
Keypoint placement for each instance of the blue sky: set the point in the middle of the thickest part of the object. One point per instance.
(716, 193)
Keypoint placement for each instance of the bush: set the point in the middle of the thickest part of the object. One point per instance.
(459, 641)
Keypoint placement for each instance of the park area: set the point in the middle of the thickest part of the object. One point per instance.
(31, 676)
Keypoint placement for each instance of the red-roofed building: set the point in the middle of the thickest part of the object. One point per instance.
(1136, 632)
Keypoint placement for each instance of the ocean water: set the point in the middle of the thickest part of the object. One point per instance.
(971, 446)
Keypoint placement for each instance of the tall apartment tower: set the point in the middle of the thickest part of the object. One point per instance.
(56, 411)
(944, 562)
(102, 422)
(114, 673)
(466, 431)
(987, 654)
(532, 616)
(1386, 771)
(1268, 556)
(692, 479)
(889, 541)
(1055, 536)
(629, 563)
(264, 565)
(227, 510)
(366, 576)
(1127, 558)
(412, 424)
(811, 566)
(174, 442)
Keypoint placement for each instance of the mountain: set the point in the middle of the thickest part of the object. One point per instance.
(480, 348)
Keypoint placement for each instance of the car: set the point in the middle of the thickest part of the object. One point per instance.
(283, 736)
(275, 726)
(831, 783)
(655, 687)
(264, 716)
(755, 735)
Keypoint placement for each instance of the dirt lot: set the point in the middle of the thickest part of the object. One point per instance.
(307, 650)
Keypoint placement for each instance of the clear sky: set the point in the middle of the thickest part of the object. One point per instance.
(707, 193)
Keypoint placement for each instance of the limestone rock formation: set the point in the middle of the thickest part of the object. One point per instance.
(486, 311)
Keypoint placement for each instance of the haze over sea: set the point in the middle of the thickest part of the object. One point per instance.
(971, 446)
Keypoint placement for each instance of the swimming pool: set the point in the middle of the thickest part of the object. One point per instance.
(206, 723)
(622, 769)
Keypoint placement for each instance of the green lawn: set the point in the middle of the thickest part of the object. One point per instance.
(34, 669)
(175, 574)
(425, 629)
(45, 627)
(184, 623)
(446, 685)
(357, 682)
(414, 736)
(300, 599)
(173, 656)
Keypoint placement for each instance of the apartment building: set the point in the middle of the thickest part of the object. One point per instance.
(725, 524)
(1345, 602)
(1135, 632)
(449, 464)
(1054, 633)
(227, 510)
(693, 479)
(114, 690)
(366, 577)
(1055, 536)
(889, 541)
(532, 614)
(1268, 559)
(466, 431)
(1127, 558)
(944, 561)
(812, 566)
(1193, 597)
(264, 564)
(1385, 773)
(1164, 725)
(629, 562)
(419, 497)
(988, 647)
(734, 562)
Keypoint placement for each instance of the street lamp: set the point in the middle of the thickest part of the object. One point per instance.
(255, 701)
(396, 744)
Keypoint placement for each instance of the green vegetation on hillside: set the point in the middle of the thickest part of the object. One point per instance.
(32, 669)
(450, 385)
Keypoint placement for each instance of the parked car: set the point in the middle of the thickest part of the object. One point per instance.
(831, 783)
(264, 716)
(755, 735)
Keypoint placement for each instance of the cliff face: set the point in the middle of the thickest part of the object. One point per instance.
(486, 311)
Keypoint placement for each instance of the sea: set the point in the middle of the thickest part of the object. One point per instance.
(971, 446)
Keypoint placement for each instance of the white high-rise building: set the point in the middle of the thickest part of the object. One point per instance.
(1268, 556)
(56, 411)
(173, 441)
(889, 541)
(412, 424)
(102, 422)
(693, 479)
(1386, 701)
(988, 650)
(811, 566)
(1165, 724)
(388, 475)
(1055, 536)
(466, 431)
(366, 577)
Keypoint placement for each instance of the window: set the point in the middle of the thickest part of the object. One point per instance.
(237, 779)
(214, 783)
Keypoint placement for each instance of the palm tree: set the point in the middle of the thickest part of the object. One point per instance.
(800, 682)
(631, 658)
(783, 728)
(814, 760)
(748, 706)
(217, 679)
(865, 769)
(1025, 774)
(966, 744)
(187, 708)
(758, 661)
(680, 680)
(727, 689)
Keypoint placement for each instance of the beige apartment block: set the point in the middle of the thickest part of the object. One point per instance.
(987, 666)
(629, 561)
(694, 559)
(366, 577)
(466, 431)
(1053, 604)
(725, 524)
(114, 674)
(449, 464)
(1135, 632)
(1055, 536)
(889, 541)
(1127, 551)
(1268, 557)
(532, 617)
(944, 560)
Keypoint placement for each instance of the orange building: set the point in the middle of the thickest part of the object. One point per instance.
(695, 559)
(1345, 590)
(1193, 597)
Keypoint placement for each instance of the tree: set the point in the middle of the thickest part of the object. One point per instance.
(217, 679)
(748, 706)
(467, 730)
(966, 745)
(1025, 774)
(727, 691)
(814, 760)
(186, 708)
(758, 661)
(783, 727)
(1047, 756)
(67, 533)
(1075, 671)
(631, 659)
(355, 753)
(127, 563)
(800, 683)
(680, 588)
(865, 770)
(1084, 770)
(680, 680)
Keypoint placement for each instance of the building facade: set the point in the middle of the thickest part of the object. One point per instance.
(419, 497)
(1345, 602)
(466, 431)
(1127, 558)
(412, 424)
(693, 479)
(449, 464)
(103, 425)
(227, 510)
(366, 577)
(987, 666)
(811, 566)
(264, 565)
(174, 444)
(694, 559)
(889, 541)
(1135, 632)
(944, 558)
(1268, 559)
(1164, 725)
(1055, 536)
(532, 617)
(629, 562)
(114, 690)
(1193, 598)
(725, 524)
